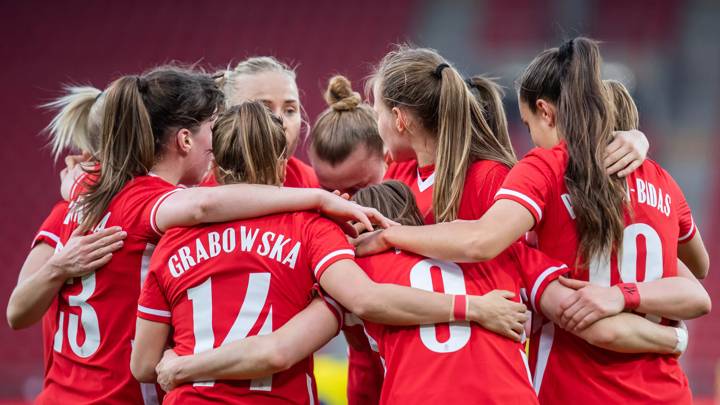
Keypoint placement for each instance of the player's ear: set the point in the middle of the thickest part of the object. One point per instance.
(183, 141)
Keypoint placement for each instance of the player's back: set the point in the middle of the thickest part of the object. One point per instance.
(95, 317)
(658, 217)
(459, 362)
(223, 282)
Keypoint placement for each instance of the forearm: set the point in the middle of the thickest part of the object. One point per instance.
(677, 298)
(32, 296)
(397, 305)
(441, 241)
(630, 333)
(237, 201)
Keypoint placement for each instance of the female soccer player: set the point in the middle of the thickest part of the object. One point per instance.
(275, 261)
(156, 133)
(272, 82)
(563, 192)
(346, 150)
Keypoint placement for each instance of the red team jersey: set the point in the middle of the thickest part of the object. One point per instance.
(420, 180)
(460, 362)
(223, 282)
(96, 313)
(567, 369)
(300, 175)
(49, 234)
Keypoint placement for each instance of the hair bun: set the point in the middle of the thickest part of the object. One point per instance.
(340, 95)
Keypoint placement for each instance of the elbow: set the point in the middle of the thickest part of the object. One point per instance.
(703, 304)
(279, 359)
(14, 320)
(481, 248)
(602, 337)
(144, 373)
(703, 268)
(202, 206)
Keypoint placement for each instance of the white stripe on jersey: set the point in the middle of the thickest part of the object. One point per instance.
(544, 346)
(536, 207)
(329, 256)
(50, 235)
(153, 212)
(151, 311)
(425, 184)
(311, 397)
(687, 235)
(539, 282)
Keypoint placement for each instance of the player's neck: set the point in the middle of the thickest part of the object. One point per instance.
(167, 170)
(425, 148)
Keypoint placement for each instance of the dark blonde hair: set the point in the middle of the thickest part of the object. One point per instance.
(393, 199)
(76, 124)
(227, 78)
(490, 95)
(421, 81)
(344, 125)
(248, 144)
(139, 116)
(569, 77)
(626, 112)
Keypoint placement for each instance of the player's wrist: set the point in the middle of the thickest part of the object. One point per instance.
(631, 295)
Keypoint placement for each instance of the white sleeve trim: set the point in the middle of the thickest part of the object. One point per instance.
(539, 282)
(687, 235)
(153, 212)
(157, 312)
(331, 255)
(536, 207)
(50, 235)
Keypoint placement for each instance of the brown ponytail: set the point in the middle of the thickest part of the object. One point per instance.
(569, 77)
(489, 95)
(344, 125)
(140, 114)
(73, 125)
(248, 144)
(626, 112)
(422, 81)
(393, 199)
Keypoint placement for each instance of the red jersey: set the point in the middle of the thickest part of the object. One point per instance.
(96, 322)
(420, 180)
(365, 368)
(459, 362)
(300, 175)
(49, 234)
(220, 283)
(660, 218)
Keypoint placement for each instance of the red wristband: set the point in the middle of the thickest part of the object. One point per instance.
(460, 308)
(631, 294)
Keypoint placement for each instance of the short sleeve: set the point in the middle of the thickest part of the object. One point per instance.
(537, 270)
(685, 218)
(143, 201)
(337, 310)
(529, 183)
(326, 244)
(50, 230)
(153, 305)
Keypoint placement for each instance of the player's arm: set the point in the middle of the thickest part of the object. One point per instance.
(150, 340)
(198, 205)
(678, 298)
(623, 332)
(459, 241)
(43, 273)
(254, 356)
(694, 254)
(626, 152)
(397, 305)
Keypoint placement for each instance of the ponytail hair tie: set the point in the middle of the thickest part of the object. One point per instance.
(141, 84)
(565, 52)
(438, 70)
(470, 83)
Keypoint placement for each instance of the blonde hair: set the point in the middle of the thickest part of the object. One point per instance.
(76, 124)
(490, 95)
(626, 112)
(248, 144)
(421, 81)
(227, 79)
(345, 124)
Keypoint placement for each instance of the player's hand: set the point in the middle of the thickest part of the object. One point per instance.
(497, 312)
(370, 243)
(167, 371)
(341, 194)
(588, 304)
(626, 152)
(83, 254)
(341, 210)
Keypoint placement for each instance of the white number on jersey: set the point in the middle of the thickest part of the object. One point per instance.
(255, 299)
(454, 283)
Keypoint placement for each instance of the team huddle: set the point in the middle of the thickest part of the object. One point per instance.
(194, 259)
